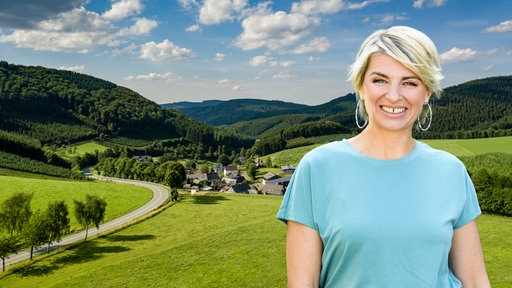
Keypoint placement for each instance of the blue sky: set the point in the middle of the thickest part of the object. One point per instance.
(295, 51)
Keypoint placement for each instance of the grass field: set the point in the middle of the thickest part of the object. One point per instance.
(458, 147)
(219, 240)
(81, 149)
(216, 240)
(120, 198)
(470, 147)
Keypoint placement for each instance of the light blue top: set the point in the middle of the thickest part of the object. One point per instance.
(383, 223)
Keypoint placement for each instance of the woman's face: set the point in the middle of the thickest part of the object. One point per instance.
(393, 95)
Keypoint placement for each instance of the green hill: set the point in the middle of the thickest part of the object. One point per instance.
(217, 113)
(43, 108)
(475, 109)
(216, 240)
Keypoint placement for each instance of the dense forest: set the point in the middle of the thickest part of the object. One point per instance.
(476, 109)
(213, 112)
(42, 108)
(479, 108)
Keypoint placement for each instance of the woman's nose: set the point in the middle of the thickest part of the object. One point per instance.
(394, 92)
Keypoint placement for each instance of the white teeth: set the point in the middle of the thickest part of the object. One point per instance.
(393, 110)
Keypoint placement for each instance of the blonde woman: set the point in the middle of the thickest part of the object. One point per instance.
(382, 209)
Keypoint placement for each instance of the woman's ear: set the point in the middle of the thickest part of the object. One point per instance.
(427, 97)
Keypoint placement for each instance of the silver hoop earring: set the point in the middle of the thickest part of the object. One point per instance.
(357, 118)
(429, 116)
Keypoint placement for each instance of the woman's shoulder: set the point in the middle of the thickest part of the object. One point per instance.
(440, 156)
(334, 149)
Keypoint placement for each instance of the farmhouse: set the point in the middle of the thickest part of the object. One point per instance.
(230, 170)
(269, 176)
(288, 170)
(276, 186)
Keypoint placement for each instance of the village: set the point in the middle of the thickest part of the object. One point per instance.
(231, 179)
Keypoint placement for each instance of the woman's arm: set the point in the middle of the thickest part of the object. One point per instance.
(466, 257)
(303, 255)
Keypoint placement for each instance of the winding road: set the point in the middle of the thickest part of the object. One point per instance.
(160, 194)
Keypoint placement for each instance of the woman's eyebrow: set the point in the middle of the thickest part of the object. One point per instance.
(386, 76)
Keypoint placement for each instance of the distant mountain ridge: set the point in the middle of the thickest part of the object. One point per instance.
(478, 108)
(42, 107)
(219, 112)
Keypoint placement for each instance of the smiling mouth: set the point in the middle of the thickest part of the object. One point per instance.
(393, 110)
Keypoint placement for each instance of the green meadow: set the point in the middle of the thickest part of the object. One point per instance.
(217, 240)
(214, 240)
(121, 198)
(80, 149)
(458, 147)
(470, 147)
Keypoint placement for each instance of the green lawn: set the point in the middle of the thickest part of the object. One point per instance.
(496, 234)
(81, 149)
(469, 147)
(120, 198)
(217, 240)
(458, 147)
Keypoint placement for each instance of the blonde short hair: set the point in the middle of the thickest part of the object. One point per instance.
(410, 47)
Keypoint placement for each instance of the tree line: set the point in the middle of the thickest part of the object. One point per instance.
(20, 227)
(18, 163)
(492, 176)
(61, 107)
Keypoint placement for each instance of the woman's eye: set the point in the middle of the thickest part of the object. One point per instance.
(411, 84)
(379, 81)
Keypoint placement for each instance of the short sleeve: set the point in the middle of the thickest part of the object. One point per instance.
(297, 201)
(471, 208)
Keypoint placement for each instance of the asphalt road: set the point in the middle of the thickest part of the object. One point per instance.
(160, 194)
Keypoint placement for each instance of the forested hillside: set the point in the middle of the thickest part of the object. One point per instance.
(218, 113)
(479, 108)
(475, 109)
(41, 107)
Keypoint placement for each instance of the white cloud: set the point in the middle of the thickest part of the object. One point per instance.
(319, 44)
(75, 31)
(81, 31)
(154, 76)
(123, 9)
(141, 27)
(187, 3)
(223, 81)
(418, 3)
(456, 55)
(308, 7)
(259, 60)
(385, 20)
(76, 68)
(130, 49)
(26, 14)
(286, 63)
(502, 27)
(283, 76)
(193, 28)
(218, 11)
(274, 31)
(313, 59)
(219, 57)
(487, 68)
(430, 3)
(166, 50)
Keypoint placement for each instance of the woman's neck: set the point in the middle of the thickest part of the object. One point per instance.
(383, 145)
